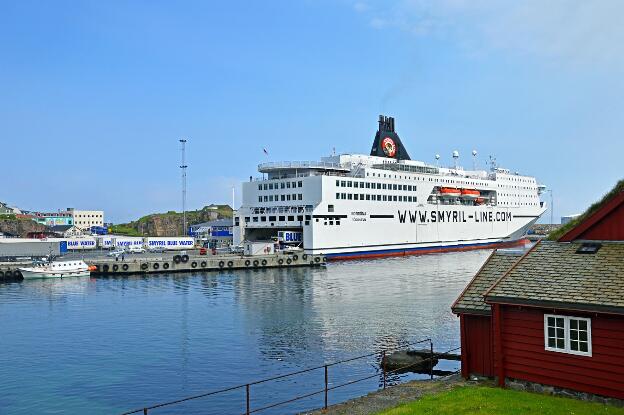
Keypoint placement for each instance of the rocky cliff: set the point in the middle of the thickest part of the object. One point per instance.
(20, 227)
(171, 223)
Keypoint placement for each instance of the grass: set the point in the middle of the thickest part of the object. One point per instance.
(124, 230)
(485, 400)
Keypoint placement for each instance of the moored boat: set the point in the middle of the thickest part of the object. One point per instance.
(56, 269)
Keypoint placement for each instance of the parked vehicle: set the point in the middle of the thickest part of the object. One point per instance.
(116, 253)
(156, 249)
(136, 250)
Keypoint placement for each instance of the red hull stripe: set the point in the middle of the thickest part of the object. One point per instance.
(423, 250)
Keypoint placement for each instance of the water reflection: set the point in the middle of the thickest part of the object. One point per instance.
(108, 344)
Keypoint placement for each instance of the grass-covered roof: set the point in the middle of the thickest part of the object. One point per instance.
(562, 230)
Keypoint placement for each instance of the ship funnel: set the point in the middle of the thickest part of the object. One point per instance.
(387, 142)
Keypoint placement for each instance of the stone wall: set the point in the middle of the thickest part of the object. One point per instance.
(522, 385)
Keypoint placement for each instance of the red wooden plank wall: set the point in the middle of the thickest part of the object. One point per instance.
(610, 228)
(524, 356)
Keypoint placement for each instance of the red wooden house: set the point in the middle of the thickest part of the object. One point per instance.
(555, 314)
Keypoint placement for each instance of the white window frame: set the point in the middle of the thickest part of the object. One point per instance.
(566, 335)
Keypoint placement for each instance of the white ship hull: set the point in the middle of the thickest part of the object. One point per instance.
(29, 274)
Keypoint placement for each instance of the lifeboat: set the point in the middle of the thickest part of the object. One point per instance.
(450, 192)
(470, 194)
(479, 200)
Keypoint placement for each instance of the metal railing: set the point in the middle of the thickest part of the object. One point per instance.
(299, 165)
(325, 391)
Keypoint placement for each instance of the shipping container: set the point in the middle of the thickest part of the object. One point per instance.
(77, 244)
(127, 241)
(170, 242)
(18, 247)
(259, 248)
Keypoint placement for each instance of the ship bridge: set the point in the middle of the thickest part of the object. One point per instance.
(282, 169)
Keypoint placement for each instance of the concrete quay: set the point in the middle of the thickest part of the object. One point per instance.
(175, 262)
(189, 263)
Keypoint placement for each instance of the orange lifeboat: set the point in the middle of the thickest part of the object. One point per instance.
(470, 194)
(479, 201)
(92, 268)
(450, 192)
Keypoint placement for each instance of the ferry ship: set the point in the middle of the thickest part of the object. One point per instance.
(385, 204)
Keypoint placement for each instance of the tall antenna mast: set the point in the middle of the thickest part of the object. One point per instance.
(183, 166)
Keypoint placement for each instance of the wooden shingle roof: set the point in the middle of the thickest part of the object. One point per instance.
(471, 301)
(554, 274)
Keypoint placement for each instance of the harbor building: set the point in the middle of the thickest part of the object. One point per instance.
(85, 219)
(382, 204)
(215, 234)
(552, 318)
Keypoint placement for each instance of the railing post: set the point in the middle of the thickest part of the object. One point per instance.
(144, 411)
(383, 367)
(326, 377)
(247, 393)
(431, 359)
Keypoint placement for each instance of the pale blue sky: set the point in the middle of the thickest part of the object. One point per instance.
(95, 95)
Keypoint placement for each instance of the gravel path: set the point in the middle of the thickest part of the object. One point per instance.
(391, 397)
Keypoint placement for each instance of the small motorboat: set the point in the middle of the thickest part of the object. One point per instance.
(56, 269)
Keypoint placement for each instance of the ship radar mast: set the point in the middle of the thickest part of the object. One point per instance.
(456, 158)
(474, 160)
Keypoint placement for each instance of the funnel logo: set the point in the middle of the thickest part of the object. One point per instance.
(388, 147)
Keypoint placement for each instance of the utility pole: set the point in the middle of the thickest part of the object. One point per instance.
(183, 166)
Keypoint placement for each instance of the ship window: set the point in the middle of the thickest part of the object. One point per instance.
(394, 198)
(378, 185)
(282, 185)
(317, 219)
(255, 219)
(307, 217)
(349, 184)
(343, 183)
(349, 196)
(384, 186)
(237, 221)
(266, 198)
(361, 185)
(259, 187)
(287, 197)
(300, 218)
(355, 196)
(307, 222)
(337, 195)
(246, 219)
(288, 185)
(271, 218)
(291, 218)
(331, 222)
(300, 196)
(367, 197)
(271, 186)
(400, 198)
(361, 196)
(338, 183)
(283, 198)
(368, 185)
(385, 198)
(263, 218)
(330, 208)
(259, 198)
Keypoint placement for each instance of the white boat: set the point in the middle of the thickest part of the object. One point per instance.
(56, 269)
(385, 203)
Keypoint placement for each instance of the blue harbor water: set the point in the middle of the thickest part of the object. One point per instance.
(107, 345)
